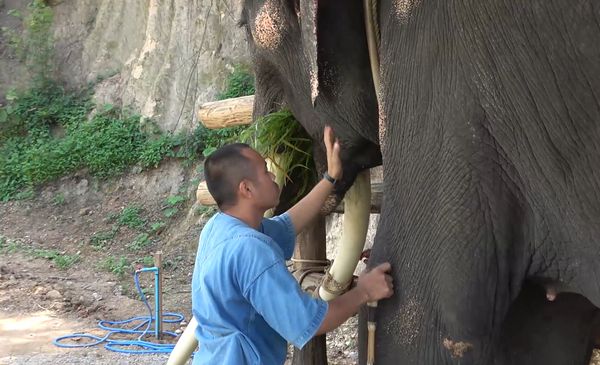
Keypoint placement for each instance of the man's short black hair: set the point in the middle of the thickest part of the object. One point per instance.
(224, 169)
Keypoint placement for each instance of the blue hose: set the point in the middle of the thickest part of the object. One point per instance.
(125, 346)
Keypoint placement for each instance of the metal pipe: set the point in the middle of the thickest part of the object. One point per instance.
(157, 316)
(158, 294)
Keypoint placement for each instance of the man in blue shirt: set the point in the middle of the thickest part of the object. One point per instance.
(247, 304)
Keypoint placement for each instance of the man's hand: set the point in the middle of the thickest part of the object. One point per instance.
(372, 286)
(332, 145)
(307, 209)
(377, 284)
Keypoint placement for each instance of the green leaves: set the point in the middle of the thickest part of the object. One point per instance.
(239, 83)
(32, 152)
(279, 137)
(130, 217)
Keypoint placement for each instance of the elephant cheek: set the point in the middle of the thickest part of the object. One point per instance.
(268, 26)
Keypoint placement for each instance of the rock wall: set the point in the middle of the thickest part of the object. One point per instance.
(160, 57)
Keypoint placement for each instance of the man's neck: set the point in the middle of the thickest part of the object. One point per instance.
(249, 215)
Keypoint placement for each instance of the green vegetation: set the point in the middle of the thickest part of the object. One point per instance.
(147, 261)
(205, 210)
(130, 217)
(9, 246)
(156, 227)
(34, 45)
(101, 239)
(172, 205)
(239, 83)
(58, 199)
(116, 266)
(279, 137)
(45, 134)
(140, 242)
(61, 260)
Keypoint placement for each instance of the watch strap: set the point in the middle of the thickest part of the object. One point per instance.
(328, 177)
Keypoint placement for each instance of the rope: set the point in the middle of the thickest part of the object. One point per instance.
(307, 261)
(138, 346)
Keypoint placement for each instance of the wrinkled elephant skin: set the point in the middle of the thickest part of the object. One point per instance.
(489, 127)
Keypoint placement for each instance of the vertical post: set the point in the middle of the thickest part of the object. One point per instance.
(158, 284)
(311, 245)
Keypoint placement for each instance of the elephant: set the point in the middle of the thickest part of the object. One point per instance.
(487, 124)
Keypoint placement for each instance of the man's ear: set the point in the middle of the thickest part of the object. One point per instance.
(245, 189)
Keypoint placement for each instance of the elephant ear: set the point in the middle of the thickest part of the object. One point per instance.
(308, 26)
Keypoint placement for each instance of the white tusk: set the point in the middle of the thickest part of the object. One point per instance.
(357, 208)
(186, 344)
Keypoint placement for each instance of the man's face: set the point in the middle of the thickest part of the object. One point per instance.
(263, 181)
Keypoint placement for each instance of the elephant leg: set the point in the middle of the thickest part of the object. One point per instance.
(431, 321)
(539, 331)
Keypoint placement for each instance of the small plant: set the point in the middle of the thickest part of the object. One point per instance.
(155, 150)
(130, 217)
(116, 266)
(140, 242)
(172, 204)
(157, 227)
(9, 246)
(65, 261)
(205, 210)
(172, 265)
(170, 212)
(239, 83)
(58, 199)
(101, 239)
(61, 260)
(147, 261)
(175, 200)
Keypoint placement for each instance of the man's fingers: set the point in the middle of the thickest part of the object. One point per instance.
(328, 137)
(385, 267)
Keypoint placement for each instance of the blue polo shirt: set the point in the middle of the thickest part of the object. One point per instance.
(247, 304)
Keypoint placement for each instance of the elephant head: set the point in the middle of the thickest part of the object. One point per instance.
(311, 57)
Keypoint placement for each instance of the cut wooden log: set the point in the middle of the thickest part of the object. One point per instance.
(203, 195)
(227, 113)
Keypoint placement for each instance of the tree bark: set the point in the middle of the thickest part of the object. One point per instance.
(311, 246)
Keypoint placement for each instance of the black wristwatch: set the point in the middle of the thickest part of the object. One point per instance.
(328, 177)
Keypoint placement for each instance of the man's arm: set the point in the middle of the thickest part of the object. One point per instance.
(307, 209)
(372, 286)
